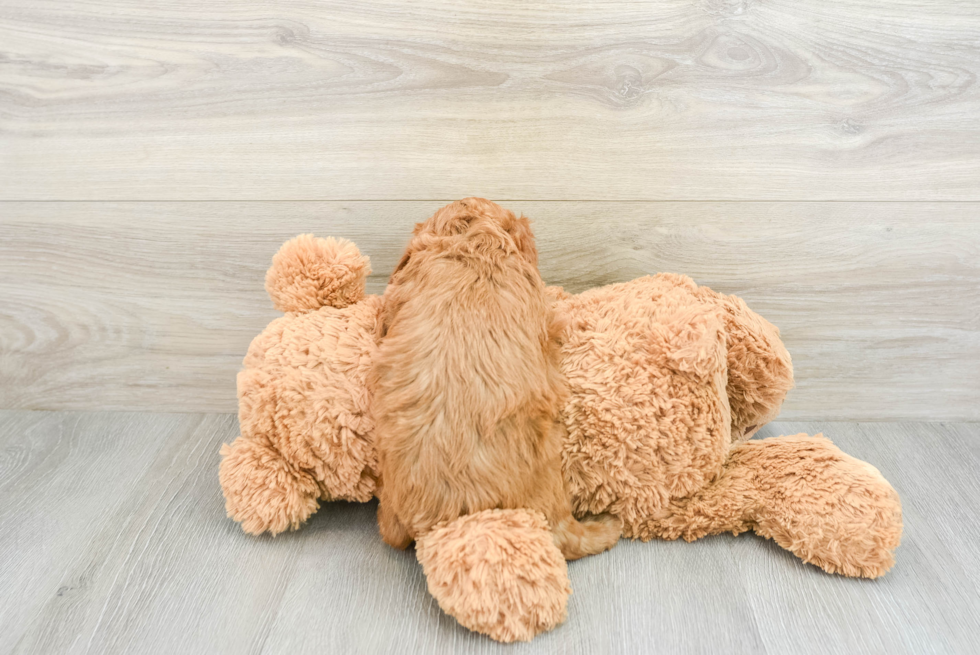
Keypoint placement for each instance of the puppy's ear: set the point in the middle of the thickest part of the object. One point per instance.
(392, 301)
(403, 262)
(457, 224)
(520, 232)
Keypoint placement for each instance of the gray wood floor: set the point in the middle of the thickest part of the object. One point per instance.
(113, 540)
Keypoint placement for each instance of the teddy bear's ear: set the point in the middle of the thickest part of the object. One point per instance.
(308, 273)
(697, 342)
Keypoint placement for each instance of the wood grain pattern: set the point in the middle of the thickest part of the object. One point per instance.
(166, 552)
(113, 540)
(940, 531)
(66, 479)
(152, 305)
(665, 99)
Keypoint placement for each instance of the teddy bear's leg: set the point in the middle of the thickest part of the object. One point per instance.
(497, 572)
(263, 491)
(826, 507)
(760, 371)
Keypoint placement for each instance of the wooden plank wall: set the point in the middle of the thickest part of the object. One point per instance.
(820, 159)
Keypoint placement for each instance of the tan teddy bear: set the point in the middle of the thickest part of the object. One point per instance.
(668, 380)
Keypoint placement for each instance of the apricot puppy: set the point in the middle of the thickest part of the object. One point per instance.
(466, 385)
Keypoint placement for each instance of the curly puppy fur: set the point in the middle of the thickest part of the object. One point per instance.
(466, 384)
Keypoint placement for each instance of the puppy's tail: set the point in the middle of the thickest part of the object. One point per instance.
(576, 539)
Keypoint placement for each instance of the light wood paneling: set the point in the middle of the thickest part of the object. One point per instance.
(113, 540)
(147, 305)
(376, 99)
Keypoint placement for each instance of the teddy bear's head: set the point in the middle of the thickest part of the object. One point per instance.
(303, 403)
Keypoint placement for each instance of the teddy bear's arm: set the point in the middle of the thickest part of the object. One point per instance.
(263, 491)
(498, 572)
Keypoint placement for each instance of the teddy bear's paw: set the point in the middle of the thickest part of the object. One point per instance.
(497, 572)
(826, 507)
(262, 491)
(760, 369)
(859, 542)
(309, 273)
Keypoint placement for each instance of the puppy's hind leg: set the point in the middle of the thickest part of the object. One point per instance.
(576, 539)
(393, 532)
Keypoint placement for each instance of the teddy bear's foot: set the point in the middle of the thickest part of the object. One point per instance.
(826, 507)
(262, 491)
(497, 572)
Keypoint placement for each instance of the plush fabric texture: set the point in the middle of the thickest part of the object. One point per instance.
(648, 417)
(666, 381)
(760, 371)
(663, 376)
(497, 572)
(308, 273)
(263, 491)
(824, 506)
(304, 410)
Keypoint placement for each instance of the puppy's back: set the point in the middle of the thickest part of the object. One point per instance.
(467, 386)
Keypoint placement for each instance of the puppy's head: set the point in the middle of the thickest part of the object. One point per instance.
(473, 226)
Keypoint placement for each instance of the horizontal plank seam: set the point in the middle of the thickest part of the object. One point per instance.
(592, 200)
(778, 419)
